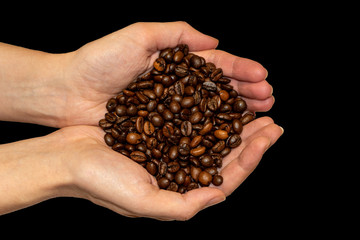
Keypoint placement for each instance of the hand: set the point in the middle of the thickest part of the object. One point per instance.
(102, 68)
(114, 181)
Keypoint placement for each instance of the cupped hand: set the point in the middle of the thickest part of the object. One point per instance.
(116, 182)
(101, 69)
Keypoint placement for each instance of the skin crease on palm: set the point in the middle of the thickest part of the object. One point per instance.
(97, 72)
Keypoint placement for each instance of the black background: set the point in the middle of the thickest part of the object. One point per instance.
(281, 197)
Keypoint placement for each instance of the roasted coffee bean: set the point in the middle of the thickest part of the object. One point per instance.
(168, 130)
(221, 134)
(157, 120)
(184, 149)
(237, 126)
(133, 138)
(151, 168)
(219, 146)
(160, 64)
(198, 151)
(196, 117)
(173, 152)
(111, 104)
(180, 176)
(234, 141)
(173, 167)
(186, 128)
(248, 117)
(224, 95)
(210, 86)
(163, 182)
(205, 178)
(138, 156)
(217, 180)
(207, 128)
(178, 120)
(175, 107)
(109, 140)
(206, 160)
(187, 102)
(104, 124)
(212, 105)
(225, 152)
(149, 128)
(139, 124)
(239, 106)
(196, 141)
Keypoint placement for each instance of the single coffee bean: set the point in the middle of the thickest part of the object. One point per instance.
(180, 176)
(184, 149)
(237, 126)
(157, 120)
(234, 140)
(219, 146)
(149, 128)
(111, 104)
(187, 102)
(104, 124)
(196, 117)
(167, 130)
(207, 128)
(109, 140)
(151, 168)
(221, 134)
(210, 86)
(224, 95)
(205, 178)
(163, 182)
(239, 106)
(173, 167)
(175, 107)
(198, 151)
(196, 141)
(173, 152)
(160, 64)
(133, 138)
(217, 180)
(138, 156)
(206, 160)
(139, 124)
(186, 128)
(248, 117)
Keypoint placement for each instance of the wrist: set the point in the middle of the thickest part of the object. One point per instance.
(31, 175)
(33, 85)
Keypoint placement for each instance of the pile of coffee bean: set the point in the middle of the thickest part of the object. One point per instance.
(178, 121)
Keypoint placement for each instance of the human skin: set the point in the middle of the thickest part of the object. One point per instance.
(70, 91)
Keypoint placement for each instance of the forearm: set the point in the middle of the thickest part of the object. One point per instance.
(29, 173)
(32, 87)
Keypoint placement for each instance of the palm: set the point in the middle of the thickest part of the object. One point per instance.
(116, 182)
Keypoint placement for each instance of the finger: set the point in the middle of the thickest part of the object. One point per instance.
(158, 36)
(235, 67)
(249, 130)
(239, 169)
(255, 90)
(254, 147)
(255, 105)
(168, 205)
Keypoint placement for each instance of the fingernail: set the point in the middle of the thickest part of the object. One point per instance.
(282, 130)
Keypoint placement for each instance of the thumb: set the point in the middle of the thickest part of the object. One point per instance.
(157, 36)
